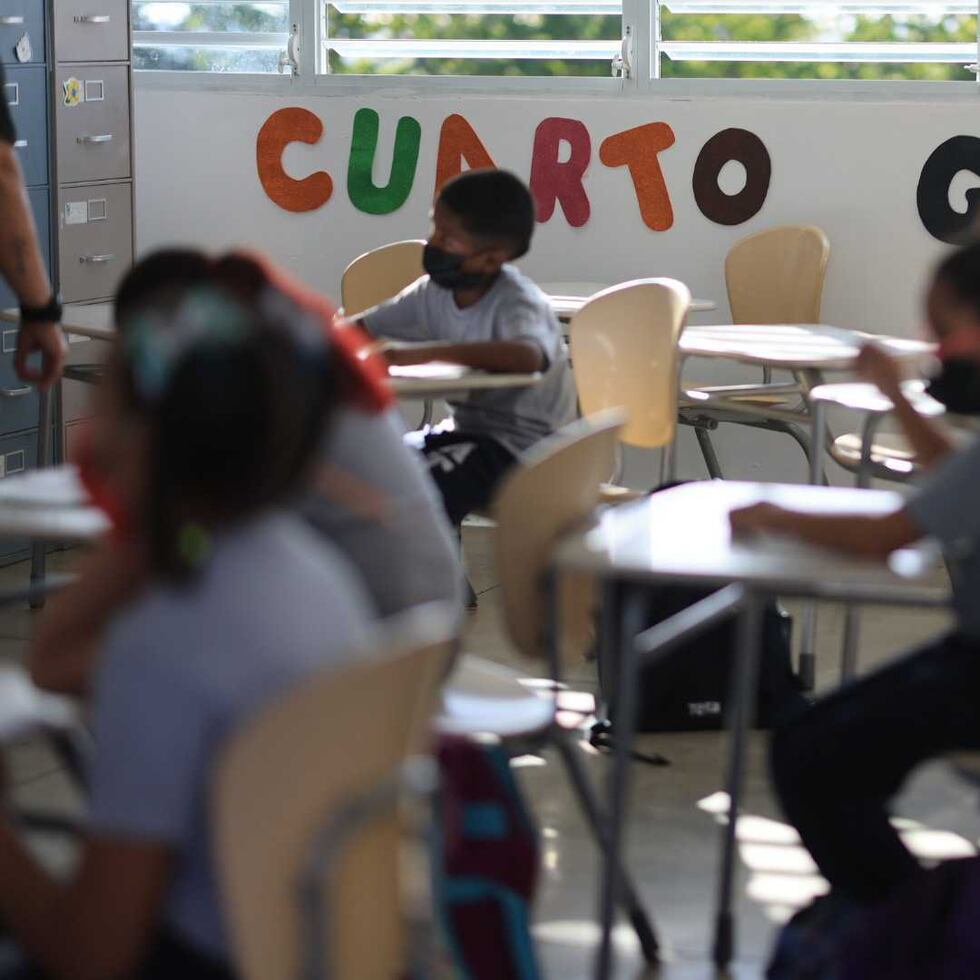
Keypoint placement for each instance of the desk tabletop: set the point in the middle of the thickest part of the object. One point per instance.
(683, 535)
(795, 346)
(49, 505)
(567, 298)
(440, 380)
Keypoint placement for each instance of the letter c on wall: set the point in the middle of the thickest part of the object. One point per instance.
(748, 150)
(932, 196)
(283, 127)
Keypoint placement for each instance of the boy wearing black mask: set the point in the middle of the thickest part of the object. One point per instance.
(838, 765)
(476, 309)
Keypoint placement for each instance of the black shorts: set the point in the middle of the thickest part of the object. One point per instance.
(466, 468)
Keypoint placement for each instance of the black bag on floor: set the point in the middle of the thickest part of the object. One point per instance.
(689, 688)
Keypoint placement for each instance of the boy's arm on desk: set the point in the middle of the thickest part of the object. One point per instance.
(495, 356)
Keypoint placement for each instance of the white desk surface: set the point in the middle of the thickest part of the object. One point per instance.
(683, 534)
(93, 320)
(794, 346)
(25, 710)
(439, 380)
(567, 298)
(49, 505)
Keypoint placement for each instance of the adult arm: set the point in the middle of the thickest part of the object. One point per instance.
(22, 265)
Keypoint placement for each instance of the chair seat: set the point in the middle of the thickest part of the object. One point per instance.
(484, 698)
(789, 400)
(890, 454)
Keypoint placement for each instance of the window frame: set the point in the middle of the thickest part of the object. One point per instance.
(641, 20)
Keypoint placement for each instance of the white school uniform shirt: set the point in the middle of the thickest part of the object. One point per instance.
(185, 666)
(514, 308)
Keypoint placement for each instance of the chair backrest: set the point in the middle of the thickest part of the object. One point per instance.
(380, 274)
(284, 777)
(777, 276)
(554, 489)
(624, 348)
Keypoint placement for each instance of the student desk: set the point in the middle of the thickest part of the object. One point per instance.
(441, 380)
(567, 298)
(682, 536)
(49, 505)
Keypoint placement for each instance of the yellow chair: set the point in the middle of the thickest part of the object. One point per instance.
(380, 274)
(777, 275)
(772, 277)
(303, 767)
(555, 488)
(624, 345)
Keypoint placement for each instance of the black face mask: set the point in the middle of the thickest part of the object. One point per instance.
(446, 269)
(957, 386)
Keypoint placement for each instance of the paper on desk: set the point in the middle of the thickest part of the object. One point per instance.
(434, 370)
(58, 486)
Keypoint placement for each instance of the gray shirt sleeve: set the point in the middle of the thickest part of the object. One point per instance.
(946, 506)
(152, 736)
(400, 318)
(524, 319)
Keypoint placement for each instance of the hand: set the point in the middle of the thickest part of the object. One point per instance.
(46, 339)
(874, 364)
(757, 517)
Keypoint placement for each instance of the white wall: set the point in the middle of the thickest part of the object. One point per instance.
(851, 166)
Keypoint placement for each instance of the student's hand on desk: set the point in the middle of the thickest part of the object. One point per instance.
(757, 517)
(876, 365)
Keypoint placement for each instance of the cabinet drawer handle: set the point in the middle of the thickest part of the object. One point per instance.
(11, 21)
(15, 392)
(92, 19)
(96, 259)
(103, 138)
(20, 144)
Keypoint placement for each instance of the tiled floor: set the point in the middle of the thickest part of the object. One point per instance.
(673, 838)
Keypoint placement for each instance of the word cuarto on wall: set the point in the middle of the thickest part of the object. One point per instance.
(562, 154)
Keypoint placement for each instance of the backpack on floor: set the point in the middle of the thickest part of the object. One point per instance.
(688, 688)
(485, 865)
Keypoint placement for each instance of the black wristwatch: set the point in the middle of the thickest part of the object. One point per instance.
(49, 313)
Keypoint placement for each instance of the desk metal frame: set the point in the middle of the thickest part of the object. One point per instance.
(627, 646)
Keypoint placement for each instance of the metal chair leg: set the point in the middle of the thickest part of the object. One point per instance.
(708, 452)
(639, 919)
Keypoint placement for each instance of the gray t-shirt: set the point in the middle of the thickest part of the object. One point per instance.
(947, 508)
(513, 309)
(185, 666)
(406, 553)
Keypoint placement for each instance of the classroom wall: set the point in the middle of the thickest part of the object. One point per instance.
(851, 166)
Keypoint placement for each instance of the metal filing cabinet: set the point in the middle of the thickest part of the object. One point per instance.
(91, 86)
